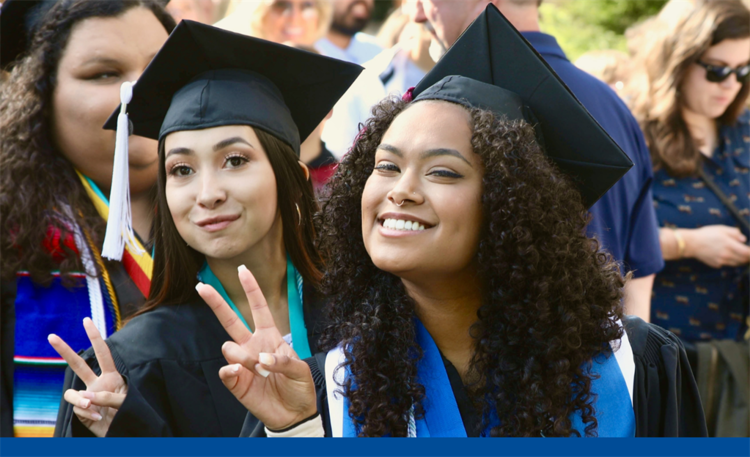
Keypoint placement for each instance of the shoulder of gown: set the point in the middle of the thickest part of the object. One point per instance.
(665, 395)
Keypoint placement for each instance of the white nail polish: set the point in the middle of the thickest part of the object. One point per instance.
(262, 371)
(198, 286)
(96, 417)
(266, 359)
(235, 368)
(241, 268)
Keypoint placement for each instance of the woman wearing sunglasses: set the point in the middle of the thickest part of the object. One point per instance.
(698, 129)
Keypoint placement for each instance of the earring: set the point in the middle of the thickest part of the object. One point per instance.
(299, 215)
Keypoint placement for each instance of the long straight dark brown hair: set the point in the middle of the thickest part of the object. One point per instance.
(176, 264)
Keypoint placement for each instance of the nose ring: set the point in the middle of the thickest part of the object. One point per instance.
(400, 204)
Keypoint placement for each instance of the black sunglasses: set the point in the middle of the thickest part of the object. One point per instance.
(717, 74)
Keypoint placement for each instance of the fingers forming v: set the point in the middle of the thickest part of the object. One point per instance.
(103, 355)
(76, 363)
(226, 315)
(258, 305)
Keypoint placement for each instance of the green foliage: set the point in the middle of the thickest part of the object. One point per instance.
(586, 25)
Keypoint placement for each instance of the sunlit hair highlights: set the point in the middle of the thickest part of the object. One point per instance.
(36, 182)
(669, 45)
(551, 298)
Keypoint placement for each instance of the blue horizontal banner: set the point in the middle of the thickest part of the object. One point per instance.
(195, 447)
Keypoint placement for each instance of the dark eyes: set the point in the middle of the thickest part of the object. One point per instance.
(103, 76)
(180, 170)
(236, 161)
(387, 166)
(233, 161)
(442, 173)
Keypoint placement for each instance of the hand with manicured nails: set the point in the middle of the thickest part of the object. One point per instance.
(97, 405)
(265, 374)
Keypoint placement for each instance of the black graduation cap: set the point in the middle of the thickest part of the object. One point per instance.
(17, 21)
(205, 77)
(492, 66)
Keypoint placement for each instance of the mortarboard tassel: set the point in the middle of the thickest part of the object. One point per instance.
(119, 222)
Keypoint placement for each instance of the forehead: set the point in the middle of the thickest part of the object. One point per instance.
(205, 139)
(431, 124)
(731, 52)
(135, 33)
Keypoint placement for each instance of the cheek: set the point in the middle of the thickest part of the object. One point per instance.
(694, 88)
(78, 115)
(373, 195)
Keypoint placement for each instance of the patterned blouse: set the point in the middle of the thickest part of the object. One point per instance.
(690, 298)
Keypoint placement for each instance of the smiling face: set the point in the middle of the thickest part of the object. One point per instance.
(221, 191)
(100, 55)
(711, 99)
(295, 21)
(425, 173)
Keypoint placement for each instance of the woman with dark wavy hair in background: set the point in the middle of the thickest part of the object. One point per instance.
(466, 299)
(55, 173)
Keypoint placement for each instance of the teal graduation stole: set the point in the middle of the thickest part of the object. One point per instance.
(294, 289)
(614, 410)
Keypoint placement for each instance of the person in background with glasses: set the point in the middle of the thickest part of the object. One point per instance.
(693, 113)
(299, 22)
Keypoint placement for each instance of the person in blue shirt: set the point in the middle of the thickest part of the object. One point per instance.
(693, 112)
(624, 220)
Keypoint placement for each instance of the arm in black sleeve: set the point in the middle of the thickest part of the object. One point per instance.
(665, 397)
(7, 337)
(137, 417)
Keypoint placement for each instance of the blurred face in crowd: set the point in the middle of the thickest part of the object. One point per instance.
(194, 10)
(421, 207)
(711, 99)
(221, 190)
(351, 16)
(294, 21)
(101, 54)
(448, 18)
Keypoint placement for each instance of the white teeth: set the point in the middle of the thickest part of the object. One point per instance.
(398, 224)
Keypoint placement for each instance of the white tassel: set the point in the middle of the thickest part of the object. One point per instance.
(120, 221)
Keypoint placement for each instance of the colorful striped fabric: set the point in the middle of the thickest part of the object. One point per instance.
(39, 372)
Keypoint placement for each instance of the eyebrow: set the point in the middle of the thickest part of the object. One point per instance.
(721, 63)
(230, 141)
(101, 60)
(217, 147)
(428, 153)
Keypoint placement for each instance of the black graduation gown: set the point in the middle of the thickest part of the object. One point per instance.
(665, 395)
(170, 358)
(129, 298)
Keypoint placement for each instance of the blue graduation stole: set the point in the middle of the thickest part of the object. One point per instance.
(614, 410)
(294, 291)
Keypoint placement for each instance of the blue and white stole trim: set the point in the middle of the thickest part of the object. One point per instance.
(294, 291)
(613, 405)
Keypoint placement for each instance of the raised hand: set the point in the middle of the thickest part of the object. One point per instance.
(104, 394)
(265, 374)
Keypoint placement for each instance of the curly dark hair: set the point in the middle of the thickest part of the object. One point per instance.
(551, 298)
(36, 180)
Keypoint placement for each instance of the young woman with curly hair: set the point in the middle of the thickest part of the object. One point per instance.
(54, 159)
(466, 299)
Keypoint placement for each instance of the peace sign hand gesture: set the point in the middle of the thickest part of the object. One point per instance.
(265, 374)
(104, 394)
